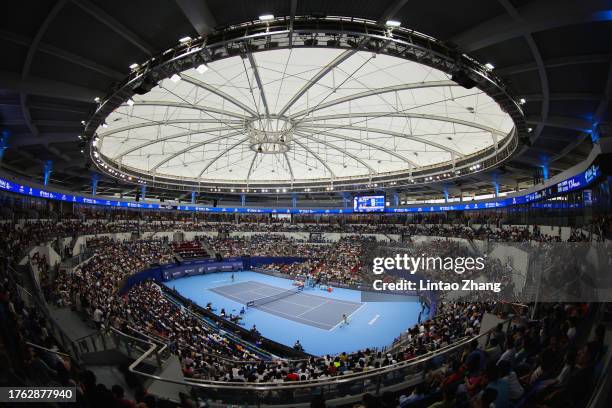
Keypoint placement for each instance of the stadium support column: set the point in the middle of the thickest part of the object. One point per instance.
(193, 197)
(48, 169)
(346, 199)
(3, 143)
(396, 199)
(544, 166)
(496, 185)
(242, 199)
(143, 192)
(446, 194)
(94, 184)
(294, 200)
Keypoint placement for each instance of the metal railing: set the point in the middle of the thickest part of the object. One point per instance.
(53, 327)
(350, 386)
(47, 350)
(131, 345)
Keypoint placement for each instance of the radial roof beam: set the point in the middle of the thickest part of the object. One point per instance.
(562, 122)
(219, 93)
(316, 78)
(605, 100)
(115, 25)
(366, 143)
(537, 56)
(26, 115)
(289, 166)
(570, 146)
(165, 139)
(223, 153)
(371, 92)
(199, 15)
(65, 55)
(375, 115)
(536, 16)
(187, 149)
(57, 153)
(191, 106)
(554, 63)
(344, 152)
(262, 93)
(565, 97)
(251, 167)
(316, 156)
(394, 134)
(46, 87)
(58, 6)
(20, 140)
(110, 133)
(59, 108)
(25, 70)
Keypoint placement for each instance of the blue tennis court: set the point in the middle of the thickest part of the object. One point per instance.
(371, 324)
(298, 306)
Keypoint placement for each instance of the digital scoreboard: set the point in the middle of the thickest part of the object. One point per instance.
(373, 203)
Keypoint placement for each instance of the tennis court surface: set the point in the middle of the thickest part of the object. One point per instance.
(302, 307)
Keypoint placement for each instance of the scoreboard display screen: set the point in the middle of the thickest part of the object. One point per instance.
(373, 203)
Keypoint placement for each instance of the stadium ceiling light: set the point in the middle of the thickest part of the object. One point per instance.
(97, 99)
(393, 23)
(522, 101)
(266, 17)
(185, 39)
(83, 122)
(529, 130)
(130, 102)
(134, 66)
(489, 66)
(175, 78)
(202, 68)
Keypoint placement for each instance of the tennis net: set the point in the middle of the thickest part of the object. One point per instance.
(272, 298)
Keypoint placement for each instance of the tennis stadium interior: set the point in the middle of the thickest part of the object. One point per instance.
(306, 203)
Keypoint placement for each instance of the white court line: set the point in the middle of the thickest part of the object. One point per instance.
(375, 318)
(346, 302)
(289, 316)
(221, 292)
(283, 300)
(314, 307)
(348, 317)
(293, 317)
(262, 295)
